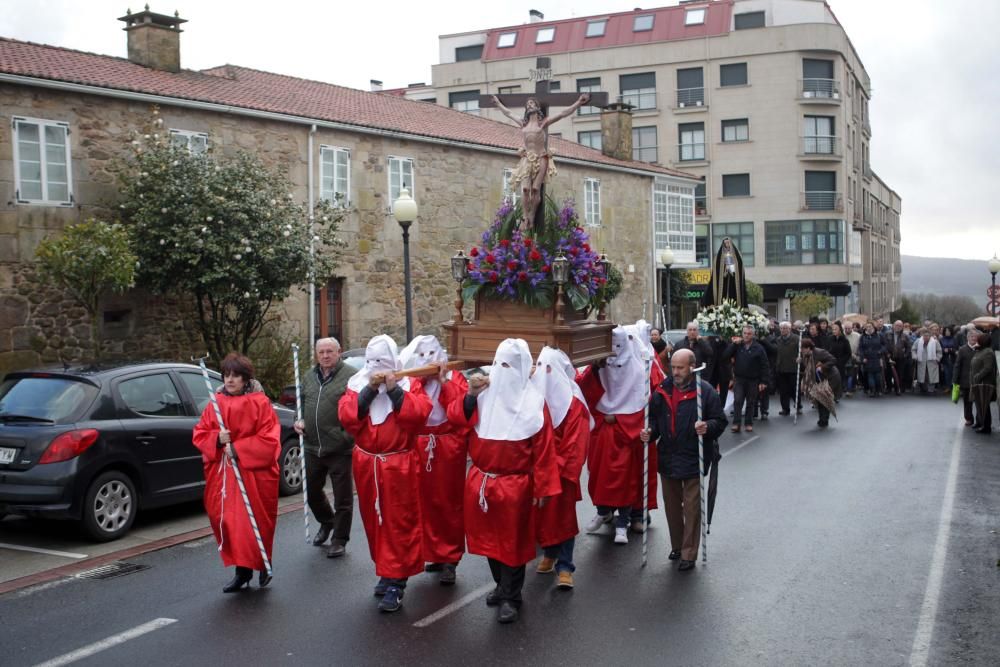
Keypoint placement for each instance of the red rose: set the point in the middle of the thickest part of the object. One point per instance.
(527, 243)
(512, 265)
(490, 258)
(601, 281)
(586, 246)
(474, 252)
(574, 251)
(470, 267)
(535, 256)
(522, 276)
(493, 276)
(505, 243)
(546, 268)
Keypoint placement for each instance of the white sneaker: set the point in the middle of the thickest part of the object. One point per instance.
(595, 524)
(621, 535)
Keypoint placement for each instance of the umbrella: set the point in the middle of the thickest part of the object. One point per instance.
(985, 322)
(713, 487)
(823, 394)
(854, 317)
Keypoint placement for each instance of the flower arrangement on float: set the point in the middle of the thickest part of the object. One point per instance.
(728, 319)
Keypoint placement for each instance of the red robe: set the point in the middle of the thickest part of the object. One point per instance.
(614, 459)
(442, 479)
(524, 469)
(556, 522)
(256, 438)
(386, 475)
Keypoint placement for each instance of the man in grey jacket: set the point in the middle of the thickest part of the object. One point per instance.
(327, 446)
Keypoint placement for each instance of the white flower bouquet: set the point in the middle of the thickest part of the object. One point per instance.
(727, 320)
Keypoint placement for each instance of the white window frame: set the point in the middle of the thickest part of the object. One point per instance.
(41, 123)
(643, 17)
(331, 195)
(735, 131)
(400, 161)
(600, 28)
(592, 202)
(695, 16)
(509, 192)
(504, 43)
(545, 35)
(637, 131)
(674, 220)
(188, 135)
(590, 134)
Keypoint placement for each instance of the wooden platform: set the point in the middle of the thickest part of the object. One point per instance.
(475, 342)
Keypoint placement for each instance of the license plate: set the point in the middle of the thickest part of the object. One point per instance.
(7, 454)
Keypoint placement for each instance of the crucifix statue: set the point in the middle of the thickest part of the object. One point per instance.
(536, 166)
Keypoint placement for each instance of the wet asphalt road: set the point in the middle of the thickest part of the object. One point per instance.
(821, 553)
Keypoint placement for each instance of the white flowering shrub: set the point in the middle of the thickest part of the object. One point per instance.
(227, 232)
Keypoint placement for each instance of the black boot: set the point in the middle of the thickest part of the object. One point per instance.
(242, 578)
(323, 534)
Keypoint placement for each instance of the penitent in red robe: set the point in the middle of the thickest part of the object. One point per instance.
(614, 459)
(256, 438)
(386, 475)
(556, 522)
(443, 451)
(504, 478)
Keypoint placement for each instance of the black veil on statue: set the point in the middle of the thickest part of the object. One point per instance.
(724, 285)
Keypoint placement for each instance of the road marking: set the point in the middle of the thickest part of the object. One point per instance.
(740, 446)
(920, 651)
(455, 606)
(50, 552)
(31, 590)
(110, 642)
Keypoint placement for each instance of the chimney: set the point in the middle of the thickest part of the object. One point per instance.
(154, 40)
(616, 131)
(535, 16)
(376, 85)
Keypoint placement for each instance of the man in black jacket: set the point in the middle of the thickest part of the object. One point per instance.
(751, 373)
(703, 352)
(963, 372)
(674, 424)
(327, 446)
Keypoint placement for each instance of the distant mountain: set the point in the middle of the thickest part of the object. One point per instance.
(946, 277)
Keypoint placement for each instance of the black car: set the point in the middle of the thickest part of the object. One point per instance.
(97, 445)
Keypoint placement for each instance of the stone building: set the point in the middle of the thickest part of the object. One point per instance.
(66, 117)
(766, 100)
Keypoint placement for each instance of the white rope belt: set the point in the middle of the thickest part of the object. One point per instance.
(222, 500)
(375, 461)
(431, 444)
(483, 505)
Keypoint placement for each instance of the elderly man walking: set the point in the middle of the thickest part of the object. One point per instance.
(751, 372)
(327, 446)
(674, 425)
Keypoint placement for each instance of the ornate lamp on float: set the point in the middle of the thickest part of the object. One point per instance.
(404, 210)
(605, 265)
(560, 274)
(459, 271)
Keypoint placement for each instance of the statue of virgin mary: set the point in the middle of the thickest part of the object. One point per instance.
(728, 281)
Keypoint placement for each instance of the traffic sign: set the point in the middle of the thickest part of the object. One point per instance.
(993, 291)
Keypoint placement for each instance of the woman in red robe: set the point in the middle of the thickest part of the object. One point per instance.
(385, 415)
(443, 450)
(554, 378)
(251, 440)
(617, 392)
(513, 469)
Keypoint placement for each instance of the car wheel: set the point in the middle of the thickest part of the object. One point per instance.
(291, 468)
(109, 506)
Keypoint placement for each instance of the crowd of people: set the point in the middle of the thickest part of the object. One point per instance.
(491, 463)
(869, 355)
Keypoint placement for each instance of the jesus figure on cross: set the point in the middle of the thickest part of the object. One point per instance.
(536, 166)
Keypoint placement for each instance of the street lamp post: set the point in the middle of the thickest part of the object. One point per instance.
(459, 271)
(404, 209)
(667, 259)
(560, 274)
(994, 267)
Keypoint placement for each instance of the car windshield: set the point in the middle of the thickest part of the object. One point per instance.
(50, 398)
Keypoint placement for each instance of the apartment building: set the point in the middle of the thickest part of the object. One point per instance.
(767, 101)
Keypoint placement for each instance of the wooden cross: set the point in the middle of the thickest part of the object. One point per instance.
(542, 76)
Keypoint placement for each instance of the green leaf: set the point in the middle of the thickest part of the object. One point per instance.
(578, 297)
(469, 291)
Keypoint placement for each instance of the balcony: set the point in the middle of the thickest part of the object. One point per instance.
(866, 127)
(690, 98)
(821, 148)
(868, 217)
(867, 172)
(691, 152)
(819, 91)
(821, 200)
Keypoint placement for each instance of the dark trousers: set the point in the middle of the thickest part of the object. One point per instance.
(682, 503)
(824, 414)
(563, 553)
(967, 405)
(509, 581)
(723, 392)
(786, 390)
(744, 391)
(338, 468)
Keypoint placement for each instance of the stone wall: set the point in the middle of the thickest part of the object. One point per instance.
(457, 189)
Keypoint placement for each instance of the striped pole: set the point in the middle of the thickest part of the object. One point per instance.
(236, 469)
(645, 464)
(302, 449)
(798, 369)
(701, 472)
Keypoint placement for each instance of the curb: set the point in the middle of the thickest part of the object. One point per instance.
(89, 563)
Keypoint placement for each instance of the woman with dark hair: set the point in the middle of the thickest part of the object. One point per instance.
(251, 440)
(949, 351)
(840, 348)
(871, 349)
(983, 383)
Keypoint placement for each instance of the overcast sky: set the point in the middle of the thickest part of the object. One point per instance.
(930, 62)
